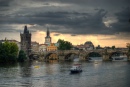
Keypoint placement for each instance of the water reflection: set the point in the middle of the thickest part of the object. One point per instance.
(57, 74)
(95, 59)
(25, 69)
(25, 74)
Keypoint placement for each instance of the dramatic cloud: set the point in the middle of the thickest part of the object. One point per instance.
(123, 24)
(73, 22)
(73, 17)
(56, 34)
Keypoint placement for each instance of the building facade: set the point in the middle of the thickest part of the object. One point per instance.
(88, 45)
(26, 41)
(51, 47)
(42, 47)
(34, 46)
(80, 47)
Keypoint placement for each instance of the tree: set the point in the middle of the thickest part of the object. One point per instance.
(22, 56)
(128, 46)
(98, 47)
(113, 47)
(64, 45)
(8, 52)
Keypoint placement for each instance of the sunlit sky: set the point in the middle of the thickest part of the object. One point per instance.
(103, 22)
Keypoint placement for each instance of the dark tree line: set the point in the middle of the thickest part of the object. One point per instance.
(9, 53)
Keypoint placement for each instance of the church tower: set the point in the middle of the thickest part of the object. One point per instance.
(47, 38)
(26, 41)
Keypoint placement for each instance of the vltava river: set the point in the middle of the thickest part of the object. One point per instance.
(57, 74)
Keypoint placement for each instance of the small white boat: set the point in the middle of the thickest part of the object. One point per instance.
(119, 57)
(76, 68)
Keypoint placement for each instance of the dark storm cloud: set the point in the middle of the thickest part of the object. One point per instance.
(73, 22)
(73, 35)
(85, 1)
(70, 22)
(123, 24)
(6, 28)
(81, 23)
(107, 4)
(5, 3)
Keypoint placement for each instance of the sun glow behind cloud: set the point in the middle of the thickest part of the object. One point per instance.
(102, 40)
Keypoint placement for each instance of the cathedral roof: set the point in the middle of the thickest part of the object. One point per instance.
(88, 42)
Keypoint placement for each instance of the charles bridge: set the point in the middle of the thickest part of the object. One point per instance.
(106, 54)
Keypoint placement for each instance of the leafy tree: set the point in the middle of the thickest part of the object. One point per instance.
(64, 45)
(113, 47)
(98, 47)
(22, 56)
(8, 52)
(128, 46)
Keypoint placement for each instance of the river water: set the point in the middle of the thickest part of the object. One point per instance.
(95, 73)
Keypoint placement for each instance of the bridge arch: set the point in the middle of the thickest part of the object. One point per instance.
(34, 56)
(93, 54)
(70, 56)
(51, 56)
(117, 53)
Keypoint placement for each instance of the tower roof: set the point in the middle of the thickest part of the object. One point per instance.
(26, 30)
(48, 33)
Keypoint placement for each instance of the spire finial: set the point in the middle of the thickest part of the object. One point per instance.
(25, 29)
(48, 33)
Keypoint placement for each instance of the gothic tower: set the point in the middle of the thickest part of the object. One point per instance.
(26, 41)
(47, 38)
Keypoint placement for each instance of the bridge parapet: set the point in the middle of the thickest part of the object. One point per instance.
(105, 53)
(71, 51)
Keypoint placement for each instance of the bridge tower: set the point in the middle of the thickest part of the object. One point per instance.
(105, 55)
(26, 41)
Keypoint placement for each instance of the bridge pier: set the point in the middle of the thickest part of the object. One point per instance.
(128, 58)
(128, 55)
(106, 57)
(61, 57)
(81, 58)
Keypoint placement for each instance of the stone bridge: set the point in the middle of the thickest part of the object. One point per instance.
(106, 54)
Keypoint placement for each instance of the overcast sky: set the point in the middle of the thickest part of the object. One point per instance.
(99, 21)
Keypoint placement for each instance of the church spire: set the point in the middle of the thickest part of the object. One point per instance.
(48, 33)
(47, 38)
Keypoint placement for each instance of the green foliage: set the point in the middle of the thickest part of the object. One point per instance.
(99, 47)
(22, 56)
(113, 47)
(8, 52)
(64, 45)
(128, 46)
